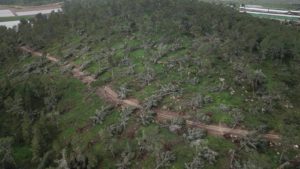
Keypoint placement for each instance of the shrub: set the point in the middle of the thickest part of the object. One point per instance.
(194, 134)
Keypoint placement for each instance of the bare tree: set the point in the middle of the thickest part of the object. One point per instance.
(119, 127)
(147, 76)
(208, 154)
(164, 159)
(252, 141)
(130, 70)
(62, 163)
(99, 116)
(237, 116)
(147, 116)
(126, 157)
(85, 65)
(204, 118)
(194, 134)
(196, 163)
(152, 102)
(161, 51)
(123, 91)
(197, 101)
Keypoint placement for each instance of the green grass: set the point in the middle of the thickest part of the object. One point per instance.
(184, 153)
(15, 18)
(22, 155)
(79, 112)
(222, 146)
(146, 92)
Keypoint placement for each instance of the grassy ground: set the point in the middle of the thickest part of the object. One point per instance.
(116, 78)
(84, 104)
(79, 103)
(77, 114)
(14, 18)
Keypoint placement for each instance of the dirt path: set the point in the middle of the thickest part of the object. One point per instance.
(112, 96)
(76, 72)
(108, 94)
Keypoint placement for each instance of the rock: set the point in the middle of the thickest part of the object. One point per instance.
(224, 108)
(175, 128)
(198, 142)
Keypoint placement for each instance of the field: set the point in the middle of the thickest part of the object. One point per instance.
(44, 11)
(6, 13)
(16, 13)
(19, 8)
(282, 18)
(278, 4)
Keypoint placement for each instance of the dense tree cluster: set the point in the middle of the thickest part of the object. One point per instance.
(8, 42)
(174, 17)
(28, 109)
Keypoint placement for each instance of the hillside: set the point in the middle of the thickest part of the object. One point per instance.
(149, 84)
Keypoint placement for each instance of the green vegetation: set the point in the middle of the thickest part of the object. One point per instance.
(14, 18)
(208, 61)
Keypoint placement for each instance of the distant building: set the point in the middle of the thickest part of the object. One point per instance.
(10, 24)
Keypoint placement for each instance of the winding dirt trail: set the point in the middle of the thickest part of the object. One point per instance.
(162, 116)
(110, 95)
(76, 72)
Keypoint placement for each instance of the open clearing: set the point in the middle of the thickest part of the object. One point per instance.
(10, 16)
(12, 10)
(16, 8)
(46, 11)
(6, 13)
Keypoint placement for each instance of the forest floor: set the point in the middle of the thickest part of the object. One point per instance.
(111, 96)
